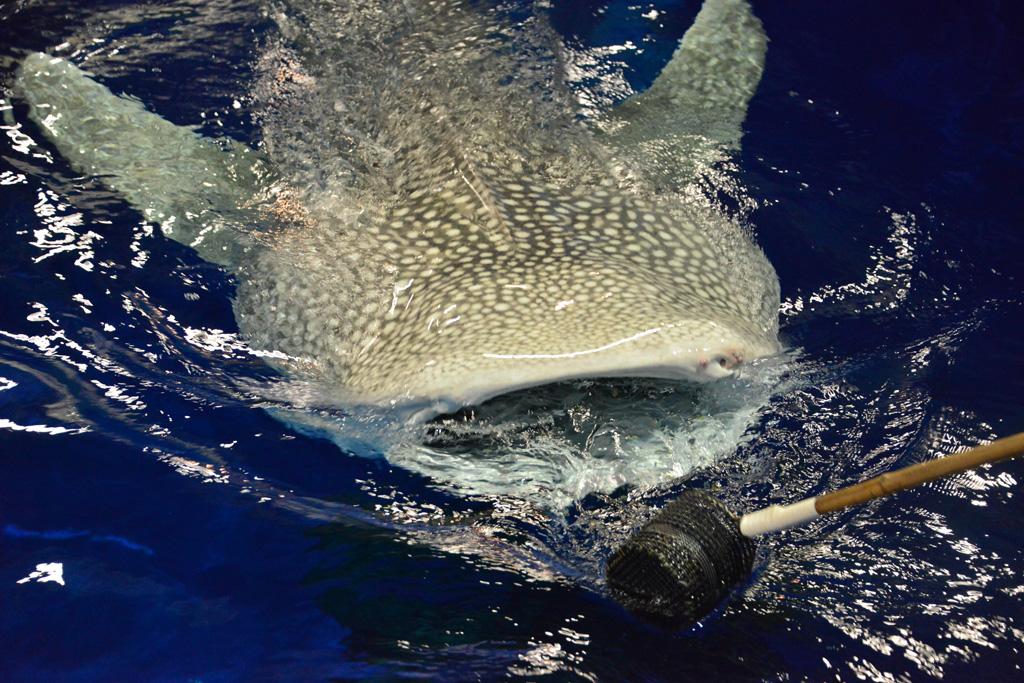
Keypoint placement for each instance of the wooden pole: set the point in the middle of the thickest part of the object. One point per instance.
(779, 517)
(891, 482)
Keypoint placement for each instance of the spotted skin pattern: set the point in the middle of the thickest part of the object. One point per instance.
(479, 260)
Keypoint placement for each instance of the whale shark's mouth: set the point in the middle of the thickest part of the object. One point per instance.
(559, 442)
(496, 385)
(657, 353)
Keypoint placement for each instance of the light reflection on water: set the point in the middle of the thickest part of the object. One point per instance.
(548, 481)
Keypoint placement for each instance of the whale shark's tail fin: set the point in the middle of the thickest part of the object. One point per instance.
(699, 101)
(197, 189)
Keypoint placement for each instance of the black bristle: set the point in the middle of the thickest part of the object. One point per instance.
(682, 562)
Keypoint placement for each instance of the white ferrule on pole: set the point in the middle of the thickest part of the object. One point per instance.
(777, 518)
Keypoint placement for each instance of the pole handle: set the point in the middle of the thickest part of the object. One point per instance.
(891, 482)
(779, 517)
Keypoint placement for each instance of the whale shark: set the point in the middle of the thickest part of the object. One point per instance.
(428, 222)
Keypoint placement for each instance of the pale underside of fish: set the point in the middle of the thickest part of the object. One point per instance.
(428, 223)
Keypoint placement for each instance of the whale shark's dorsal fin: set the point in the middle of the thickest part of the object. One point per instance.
(197, 189)
(699, 101)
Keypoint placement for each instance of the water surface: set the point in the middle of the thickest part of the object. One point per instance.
(200, 538)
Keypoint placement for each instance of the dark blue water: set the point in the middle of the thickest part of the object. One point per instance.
(200, 539)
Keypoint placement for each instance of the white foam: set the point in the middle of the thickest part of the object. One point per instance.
(46, 572)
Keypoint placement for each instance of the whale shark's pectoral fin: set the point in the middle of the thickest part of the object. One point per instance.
(198, 190)
(694, 110)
